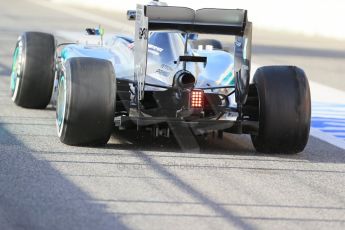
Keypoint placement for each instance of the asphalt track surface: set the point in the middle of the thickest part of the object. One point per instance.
(139, 183)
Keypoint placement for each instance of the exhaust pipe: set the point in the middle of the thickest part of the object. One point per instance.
(184, 80)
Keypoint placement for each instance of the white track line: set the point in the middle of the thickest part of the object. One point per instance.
(328, 138)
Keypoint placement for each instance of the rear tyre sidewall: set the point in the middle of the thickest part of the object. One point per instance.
(19, 63)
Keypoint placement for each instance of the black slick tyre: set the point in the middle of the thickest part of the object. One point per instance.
(32, 75)
(284, 109)
(86, 102)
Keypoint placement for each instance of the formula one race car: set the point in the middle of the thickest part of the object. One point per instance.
(164, 80)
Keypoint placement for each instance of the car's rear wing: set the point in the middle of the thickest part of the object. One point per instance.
(186, 20)
(208, 21)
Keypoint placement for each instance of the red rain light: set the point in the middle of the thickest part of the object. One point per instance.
(197, 99)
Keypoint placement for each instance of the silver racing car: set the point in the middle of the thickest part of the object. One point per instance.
(164, 79)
